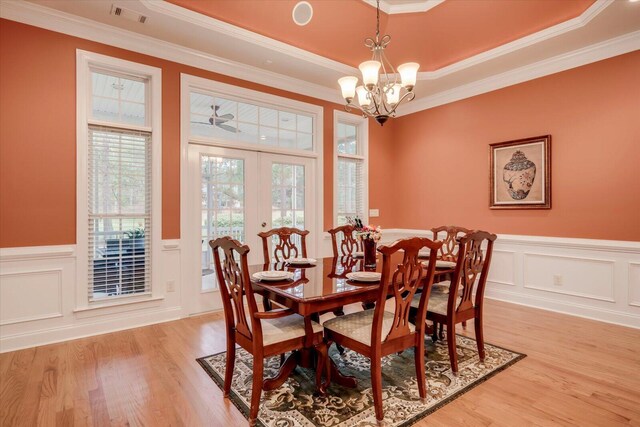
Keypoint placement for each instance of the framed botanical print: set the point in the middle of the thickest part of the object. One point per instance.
(520, 174)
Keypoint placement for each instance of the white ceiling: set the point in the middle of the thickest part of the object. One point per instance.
(608, 28)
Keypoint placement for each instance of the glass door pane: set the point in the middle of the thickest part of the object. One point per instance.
(222, 207)
(287, 196)
(286, 191)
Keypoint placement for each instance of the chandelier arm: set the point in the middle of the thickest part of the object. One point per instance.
(365, 111)
(375, 98)
(395, 74)
(407, 96)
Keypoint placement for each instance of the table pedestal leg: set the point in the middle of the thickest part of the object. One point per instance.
(339, 378)
(285, 370)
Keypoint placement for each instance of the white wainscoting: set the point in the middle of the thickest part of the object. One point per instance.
(38, 291)
(596, 279)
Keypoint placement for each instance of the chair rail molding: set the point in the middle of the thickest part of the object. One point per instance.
(595, 279)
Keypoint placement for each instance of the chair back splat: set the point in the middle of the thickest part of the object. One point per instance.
(451, 233)
(283, 241)
(344, 241)
(402, 284)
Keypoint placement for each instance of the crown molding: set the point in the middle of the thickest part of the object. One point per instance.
(521, 43)
(596, 52)
(61, 22)
(50, 19)
(213, 24)
(417, 6)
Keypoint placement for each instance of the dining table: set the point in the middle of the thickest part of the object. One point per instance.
(320, 287)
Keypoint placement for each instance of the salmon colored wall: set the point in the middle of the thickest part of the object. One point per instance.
(593, 115)
(426, 169)
(38, 134)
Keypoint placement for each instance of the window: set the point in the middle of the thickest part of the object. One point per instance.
(218, 117)
(118, 176)
(350, 177)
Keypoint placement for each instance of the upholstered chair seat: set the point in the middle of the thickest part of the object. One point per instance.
(358, 325)
(437, 302)
(285, 328)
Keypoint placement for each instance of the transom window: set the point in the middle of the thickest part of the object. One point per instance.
(219, 117)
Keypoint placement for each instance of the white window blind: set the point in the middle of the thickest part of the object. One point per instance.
(350, 186)
(119, 206)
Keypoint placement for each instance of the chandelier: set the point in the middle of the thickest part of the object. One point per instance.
(380, 94)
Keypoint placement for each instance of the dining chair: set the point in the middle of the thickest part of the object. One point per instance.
(377, 332)
(345, 244)
(448, 252)
(465, 296)
(262, 334)
(343, 240)
(283, 241)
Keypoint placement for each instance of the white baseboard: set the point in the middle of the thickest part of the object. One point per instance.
(81, 330)
(580, 310)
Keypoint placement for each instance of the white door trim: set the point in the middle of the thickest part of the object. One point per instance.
(186, 83)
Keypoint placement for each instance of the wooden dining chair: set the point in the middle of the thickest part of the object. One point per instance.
(263, 334)
(377, 332)
(284, 247)
(464, 300)
(283, 244)
(450, 235)
(343, 240)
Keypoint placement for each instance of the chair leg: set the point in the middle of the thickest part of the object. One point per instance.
(442, 331)
(231, 361)
(464, 325)
(420, 369)
(451, 342)
(266, 303)
(256, 389)
(376, 385)
(477, 324)
(434, 335)
(368, 305)
(322, 366)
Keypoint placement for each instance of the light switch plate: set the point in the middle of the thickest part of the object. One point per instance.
(374, 213)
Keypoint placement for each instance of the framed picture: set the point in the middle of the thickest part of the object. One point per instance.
(520, 174)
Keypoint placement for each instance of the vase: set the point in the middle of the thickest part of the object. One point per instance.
(369, 247)
(518, 176)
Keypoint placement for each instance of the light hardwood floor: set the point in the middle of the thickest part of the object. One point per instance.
(578, 372)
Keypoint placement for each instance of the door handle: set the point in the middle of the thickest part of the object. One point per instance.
(264, 224)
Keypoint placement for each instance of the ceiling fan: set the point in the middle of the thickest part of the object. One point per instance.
(219, 121)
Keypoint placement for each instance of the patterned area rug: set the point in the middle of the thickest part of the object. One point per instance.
(295, 403)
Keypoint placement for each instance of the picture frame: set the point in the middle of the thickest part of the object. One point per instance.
(520, 174)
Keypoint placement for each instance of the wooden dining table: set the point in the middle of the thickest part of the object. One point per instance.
(324, 287)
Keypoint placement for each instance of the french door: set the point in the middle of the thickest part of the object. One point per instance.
(239, 193)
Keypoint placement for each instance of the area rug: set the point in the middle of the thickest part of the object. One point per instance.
(295, 403)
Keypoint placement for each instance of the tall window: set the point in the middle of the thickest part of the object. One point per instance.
(118, 184)
(351, 167)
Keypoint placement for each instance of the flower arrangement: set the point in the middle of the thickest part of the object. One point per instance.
(366, 232)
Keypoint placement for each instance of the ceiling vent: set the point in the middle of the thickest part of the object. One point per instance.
(128, 14)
